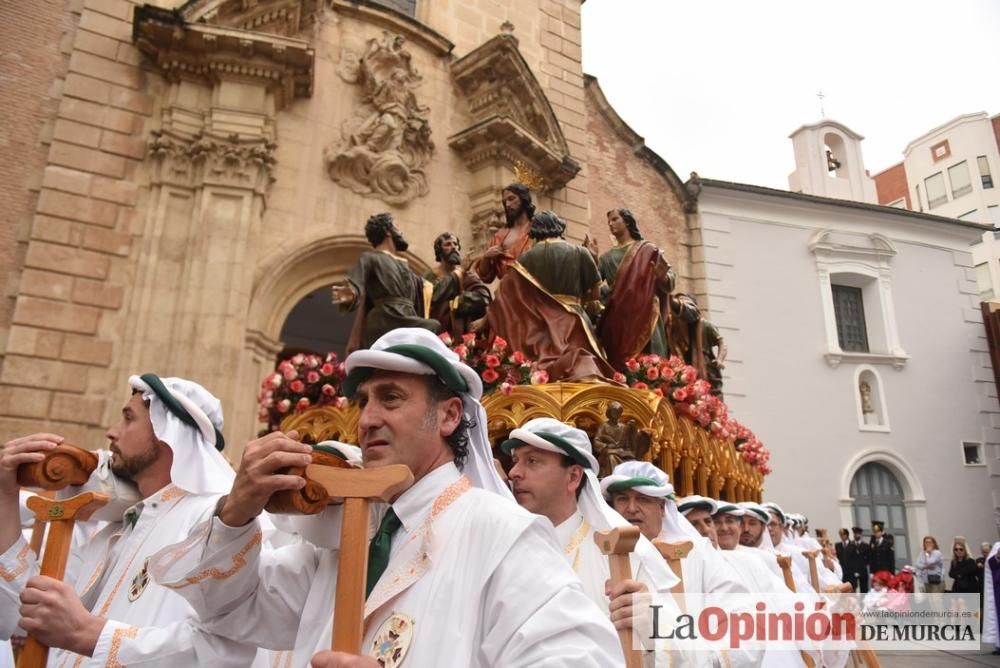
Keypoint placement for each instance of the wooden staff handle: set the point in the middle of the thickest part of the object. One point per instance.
(813, 569)
(786, 569)
(618, 544)
(358, 487)
(63, 466)
(38, 528)
(61, 515)
(311, 499)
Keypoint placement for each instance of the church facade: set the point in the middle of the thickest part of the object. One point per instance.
(187, 172)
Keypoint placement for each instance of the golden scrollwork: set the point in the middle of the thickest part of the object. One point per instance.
(697, 462)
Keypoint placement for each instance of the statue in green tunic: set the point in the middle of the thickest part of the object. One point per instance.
(382, 288)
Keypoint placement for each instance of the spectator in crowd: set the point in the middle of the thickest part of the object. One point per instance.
(963, 572)
(930, 567)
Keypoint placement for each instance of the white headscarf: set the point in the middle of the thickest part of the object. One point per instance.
(599, 514)
(401, 350)
(674, 524)
(198, 467)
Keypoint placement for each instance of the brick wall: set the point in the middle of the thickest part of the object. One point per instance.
(62, 327)
(621, 173)
(34, 51)
(891, 185)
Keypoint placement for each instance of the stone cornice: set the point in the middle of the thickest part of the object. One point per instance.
(180, 49)
(395, 22)
(512, 119)
(275, 17)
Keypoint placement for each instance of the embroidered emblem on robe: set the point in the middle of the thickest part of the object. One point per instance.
(392, 640)
(139, 582)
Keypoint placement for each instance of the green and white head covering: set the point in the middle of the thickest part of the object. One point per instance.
(420, 352)
(555, 436)
(188, 418)
(349, 453)
(729, 509)
(695, 502)
(646, 478)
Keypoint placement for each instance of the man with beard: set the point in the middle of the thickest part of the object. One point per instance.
(163, 473)
(510, 240)
(383, 289)
(539, 306)
(459, 296)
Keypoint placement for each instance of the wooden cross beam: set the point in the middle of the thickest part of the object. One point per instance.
(358, 487)
(673, 553)
(618, 544)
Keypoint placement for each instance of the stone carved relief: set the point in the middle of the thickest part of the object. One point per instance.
(387, 141)
(202, 159)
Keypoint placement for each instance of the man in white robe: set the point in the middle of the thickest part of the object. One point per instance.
(642, 494)
(728, 522)
(469, 579)
(991, 618)
(163, 472)
(783, 544)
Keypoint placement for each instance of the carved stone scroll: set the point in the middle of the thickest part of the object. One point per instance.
(387, 141)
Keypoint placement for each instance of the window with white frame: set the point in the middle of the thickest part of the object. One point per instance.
(855, 283)
(958, 174)
(984, 172)
(936, 192)
(972, 453)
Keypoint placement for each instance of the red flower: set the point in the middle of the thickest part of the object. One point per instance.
(679, 394)
(492, 361)
(289, 373)
(499, 344)
(539, 377)
(652, 373)
(641, 386)
(302, 404)
(327, 390)
(506, 388)
(468, 338)
(518, 357)
(340, 402)
(284, 406)
(619, 377)
(297, 386)
(446, 338)
(312, 377)
(490, 376)
(632, 365)
(658, 392)
(326, 369)
(462, 352)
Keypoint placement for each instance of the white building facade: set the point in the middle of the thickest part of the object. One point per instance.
(858, 355)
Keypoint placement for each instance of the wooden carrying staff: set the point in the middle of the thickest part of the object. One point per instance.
(618, 544)
(311, 499)
(673, 553)
(358, 487)
(61, 515)
(786, 570)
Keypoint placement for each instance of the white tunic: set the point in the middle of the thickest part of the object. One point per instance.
(480, 577)
(158, 628)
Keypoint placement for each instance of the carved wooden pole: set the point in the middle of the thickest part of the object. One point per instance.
(61, 515)
(358, 488)
(701, 479)
(673, 553)
(618, 544)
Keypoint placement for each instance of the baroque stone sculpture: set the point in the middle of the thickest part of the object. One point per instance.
(387, 141)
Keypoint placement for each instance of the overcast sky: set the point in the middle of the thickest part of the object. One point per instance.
(716, 86)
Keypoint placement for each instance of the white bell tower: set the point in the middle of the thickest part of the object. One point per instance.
(828, 163)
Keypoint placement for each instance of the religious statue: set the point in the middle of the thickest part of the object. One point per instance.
(539, 304)
(616, 442)
(510, 240)
(383, 288)
(459, 296)
(683, 328)
(715, 350)
(867, 407)
(387, 142)
(639, 281)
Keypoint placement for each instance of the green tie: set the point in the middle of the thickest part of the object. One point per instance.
(378, 549)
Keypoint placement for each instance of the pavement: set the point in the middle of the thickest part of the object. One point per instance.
(933, 659)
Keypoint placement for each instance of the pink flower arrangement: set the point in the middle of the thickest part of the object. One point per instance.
(297, 384)
(692, 397)
(498, 366)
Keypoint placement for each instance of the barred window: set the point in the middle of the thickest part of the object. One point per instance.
(407, 7)
(849, 310)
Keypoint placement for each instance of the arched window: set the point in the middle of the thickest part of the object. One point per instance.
(878, 496)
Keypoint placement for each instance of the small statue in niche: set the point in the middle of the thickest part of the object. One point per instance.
(615, 442)
(867, 408)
